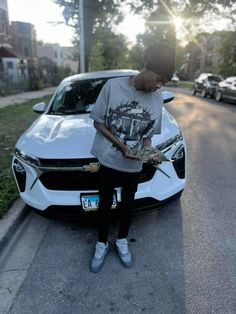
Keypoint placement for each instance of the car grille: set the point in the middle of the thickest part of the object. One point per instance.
(66, 162)
(74, 180)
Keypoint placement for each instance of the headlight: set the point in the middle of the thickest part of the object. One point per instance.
(170, 142)
(34, 161)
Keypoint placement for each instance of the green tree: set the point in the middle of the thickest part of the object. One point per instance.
(96, 13)
(227, 53)
(109, 51)
(96, 59)
(159, 27)
(101, 13)
(190, 8)
(136, 56)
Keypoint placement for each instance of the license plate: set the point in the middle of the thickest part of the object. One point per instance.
(90, 202)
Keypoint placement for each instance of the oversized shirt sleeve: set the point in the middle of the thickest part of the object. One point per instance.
(156, 129)
(99, 111)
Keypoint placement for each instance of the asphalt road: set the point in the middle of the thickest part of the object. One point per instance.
(185, 253)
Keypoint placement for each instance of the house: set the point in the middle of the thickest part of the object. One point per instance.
(24, 45)
(61, 56)
(9, 65)
(202, 55)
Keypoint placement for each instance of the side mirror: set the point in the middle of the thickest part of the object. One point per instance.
(40, 107)
(167, 96)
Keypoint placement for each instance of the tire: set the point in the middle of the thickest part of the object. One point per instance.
(194, 91)
(218, 96)
(204, 93)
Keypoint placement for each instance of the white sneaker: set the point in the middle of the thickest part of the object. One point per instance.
(101, 250)
(124, 252)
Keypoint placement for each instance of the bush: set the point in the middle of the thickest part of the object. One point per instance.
(3, 89)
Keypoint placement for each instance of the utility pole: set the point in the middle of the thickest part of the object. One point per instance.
(81, 29)
(67, 16)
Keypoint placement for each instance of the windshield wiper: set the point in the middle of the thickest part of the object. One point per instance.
(68, 112)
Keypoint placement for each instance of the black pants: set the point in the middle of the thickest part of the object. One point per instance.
(109, 179)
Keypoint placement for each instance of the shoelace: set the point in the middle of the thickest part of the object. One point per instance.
(124, 248)
(99, 250)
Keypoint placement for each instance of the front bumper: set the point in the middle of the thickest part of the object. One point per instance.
(43, 188)
(211, 90)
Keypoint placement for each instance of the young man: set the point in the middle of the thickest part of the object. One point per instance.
(126, 115)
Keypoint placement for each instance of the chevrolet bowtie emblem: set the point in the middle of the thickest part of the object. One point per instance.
(92, 167)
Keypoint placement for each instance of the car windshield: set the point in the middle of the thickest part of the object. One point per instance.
(76, 97)
(214, 78)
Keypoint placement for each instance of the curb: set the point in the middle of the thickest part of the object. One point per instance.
(11, 220)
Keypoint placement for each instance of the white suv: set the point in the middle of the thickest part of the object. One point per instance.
(52, 164)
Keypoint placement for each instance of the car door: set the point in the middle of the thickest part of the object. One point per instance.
(200, 82)
(226, 87)
(232, 90)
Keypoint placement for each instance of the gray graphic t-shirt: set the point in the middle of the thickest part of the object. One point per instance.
(131, 116)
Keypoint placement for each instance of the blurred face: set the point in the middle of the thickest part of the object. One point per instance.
(151, 81)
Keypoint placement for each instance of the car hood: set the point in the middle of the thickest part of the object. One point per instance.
(54, 137)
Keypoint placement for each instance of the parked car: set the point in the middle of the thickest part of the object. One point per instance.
(52, 163)
(206, 84)
(174, 80)
(226, 89)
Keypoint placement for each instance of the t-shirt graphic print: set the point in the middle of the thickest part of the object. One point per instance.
(129, 122)
(131, 116)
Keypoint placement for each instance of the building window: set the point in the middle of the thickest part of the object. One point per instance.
(55, 54)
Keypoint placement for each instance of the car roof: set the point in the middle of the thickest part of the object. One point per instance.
(101, 74)
(210, 74)
(231, 78)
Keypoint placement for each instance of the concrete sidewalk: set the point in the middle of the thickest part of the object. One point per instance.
(22, 97)
(15, 215)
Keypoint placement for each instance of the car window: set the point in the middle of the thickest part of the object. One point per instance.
(76, 97)
(214, 78)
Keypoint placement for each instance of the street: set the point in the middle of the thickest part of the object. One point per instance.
(185, 253)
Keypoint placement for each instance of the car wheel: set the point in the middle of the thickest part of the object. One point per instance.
(204, 93)
(194, 91)
(218, 95)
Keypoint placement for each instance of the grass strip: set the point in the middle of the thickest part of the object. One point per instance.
(185, 84)
(14, 120)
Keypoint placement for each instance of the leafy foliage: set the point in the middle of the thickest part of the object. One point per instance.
(159, 15)
(159, 28)
(227, 53)
(190, 8)
(109, 51)
(97, 13)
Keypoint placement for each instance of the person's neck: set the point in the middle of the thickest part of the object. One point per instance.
(136, 82)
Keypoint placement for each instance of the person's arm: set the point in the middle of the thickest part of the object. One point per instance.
(100, 127)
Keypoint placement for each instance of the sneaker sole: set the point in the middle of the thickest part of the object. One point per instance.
(125, 264)
(96, 270)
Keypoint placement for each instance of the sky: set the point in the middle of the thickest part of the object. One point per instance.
(41, 12)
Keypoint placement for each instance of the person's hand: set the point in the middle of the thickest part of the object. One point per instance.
(153, 161)
(127, 153)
